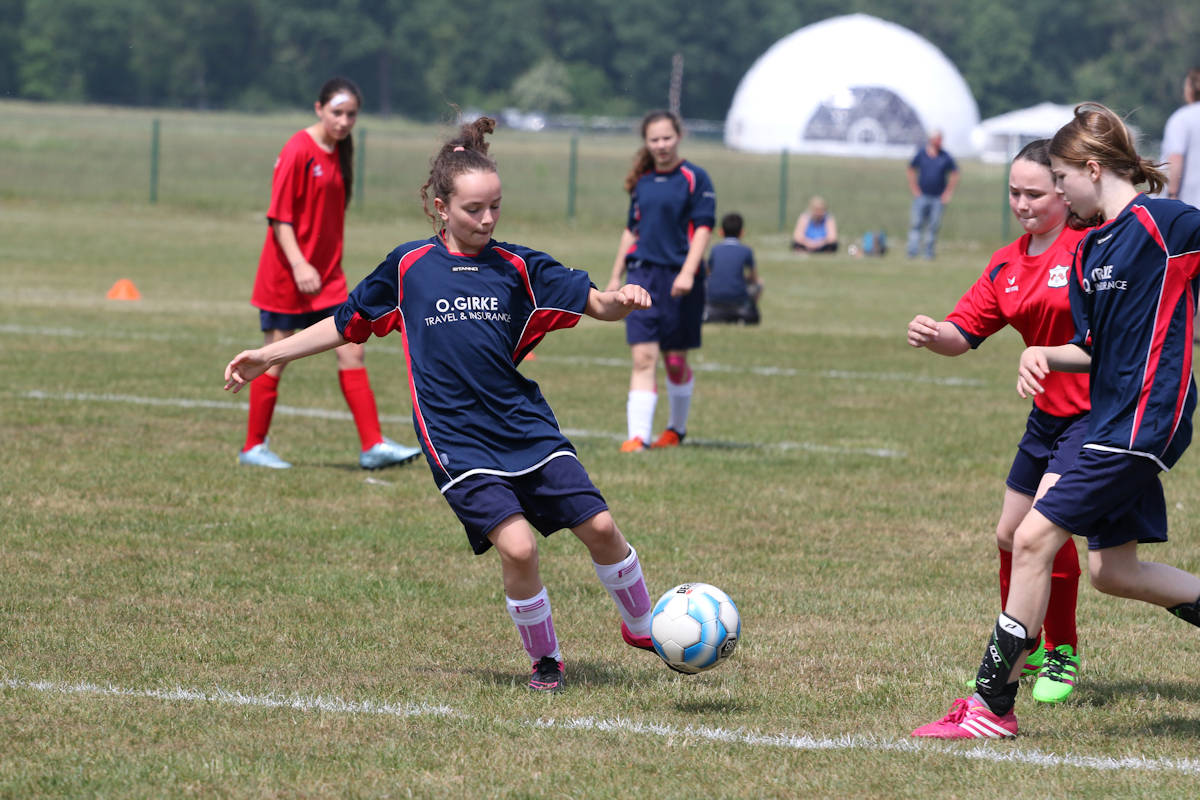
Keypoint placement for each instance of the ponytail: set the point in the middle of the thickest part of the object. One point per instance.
(465, 152)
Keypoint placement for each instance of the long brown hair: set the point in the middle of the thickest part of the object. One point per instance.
(465, 152)
(1098, 134)
(643, 162)
(345, 148)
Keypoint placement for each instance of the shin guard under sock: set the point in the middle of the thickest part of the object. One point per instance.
(1006, 647)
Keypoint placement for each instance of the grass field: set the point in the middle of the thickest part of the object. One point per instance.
(174, 625)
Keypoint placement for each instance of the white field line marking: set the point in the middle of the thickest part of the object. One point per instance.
(1002, 753)
(218, 695)
(616, 363)
(325, 413)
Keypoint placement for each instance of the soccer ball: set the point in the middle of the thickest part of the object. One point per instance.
(695, 626)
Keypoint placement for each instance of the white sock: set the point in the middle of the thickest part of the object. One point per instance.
(535, 624)
(680, 397)
(639, 412)
(625, 583)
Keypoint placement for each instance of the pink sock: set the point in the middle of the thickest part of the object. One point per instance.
(535, 624)
(625, 583)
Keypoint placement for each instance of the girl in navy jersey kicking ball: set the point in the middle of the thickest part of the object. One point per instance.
(672, 210)
(469, 309)
(1025, 285)
(1133, 293)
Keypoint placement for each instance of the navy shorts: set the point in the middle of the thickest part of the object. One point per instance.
(1111, 498)
(673, 322)
(1050, 444)
(275, 321)
(557, 495)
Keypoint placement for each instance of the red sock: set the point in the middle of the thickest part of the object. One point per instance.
(1064, 592)
(1005, 576)
(356, 388)
(264, 390)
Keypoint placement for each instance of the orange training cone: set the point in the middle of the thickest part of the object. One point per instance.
(124, 290)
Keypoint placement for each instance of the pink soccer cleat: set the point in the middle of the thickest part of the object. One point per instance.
(640, 642)
(970, 719)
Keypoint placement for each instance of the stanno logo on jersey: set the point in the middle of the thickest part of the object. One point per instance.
(1104, 239)
(317, 171)
(1012, 285)
(465, 268)
(1058, 276)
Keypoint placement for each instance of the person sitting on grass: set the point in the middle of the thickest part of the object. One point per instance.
(733, 283)
(816, 229)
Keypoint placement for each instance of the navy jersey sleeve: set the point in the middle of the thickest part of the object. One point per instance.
(373, 306)
(557, 288)
(1080, 299)
(704, 201)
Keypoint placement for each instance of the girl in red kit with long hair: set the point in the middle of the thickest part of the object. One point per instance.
(300, 279)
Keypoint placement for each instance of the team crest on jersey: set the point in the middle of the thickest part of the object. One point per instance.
(1058, 277)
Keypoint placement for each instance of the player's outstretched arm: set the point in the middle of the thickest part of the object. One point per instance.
(943, 338)
(616, 304)
(249, 364)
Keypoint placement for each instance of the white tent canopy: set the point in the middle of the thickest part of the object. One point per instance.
(999, 138)
(851, 85)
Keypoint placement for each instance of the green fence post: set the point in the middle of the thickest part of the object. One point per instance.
(783, 171)
(571, 167)
(1005, 211)
(154, 161)
(360, 151)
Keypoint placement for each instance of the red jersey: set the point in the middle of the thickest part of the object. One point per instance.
(308, 192)
(1031, 294)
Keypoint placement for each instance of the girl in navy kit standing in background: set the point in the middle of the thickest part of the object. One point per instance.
(469, 309)
(672, 210)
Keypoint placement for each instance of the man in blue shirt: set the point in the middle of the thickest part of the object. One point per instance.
(932, 176)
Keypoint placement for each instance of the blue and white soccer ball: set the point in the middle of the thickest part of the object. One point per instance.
(695, 626)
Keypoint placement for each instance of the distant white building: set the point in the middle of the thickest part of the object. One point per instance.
(851, 85)
(999, 138)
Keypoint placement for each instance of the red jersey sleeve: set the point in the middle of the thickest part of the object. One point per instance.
(978, 313)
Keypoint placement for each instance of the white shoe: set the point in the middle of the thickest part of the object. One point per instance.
(261, 456)
(386, 454)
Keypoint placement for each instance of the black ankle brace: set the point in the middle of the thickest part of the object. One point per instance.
(1188, 612)
(1008, 645)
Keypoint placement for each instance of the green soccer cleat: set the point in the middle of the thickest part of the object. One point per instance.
(1056, 681)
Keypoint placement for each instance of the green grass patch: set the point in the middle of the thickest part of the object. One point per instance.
(174, 625)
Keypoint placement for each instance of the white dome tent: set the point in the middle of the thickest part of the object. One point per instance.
(851, 85)
(998, 139)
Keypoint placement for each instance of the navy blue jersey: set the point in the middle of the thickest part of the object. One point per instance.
(666, 208)
(1133, 298)
(466, 322)
(730, 262)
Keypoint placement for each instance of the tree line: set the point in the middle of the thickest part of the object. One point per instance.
(422, 58)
